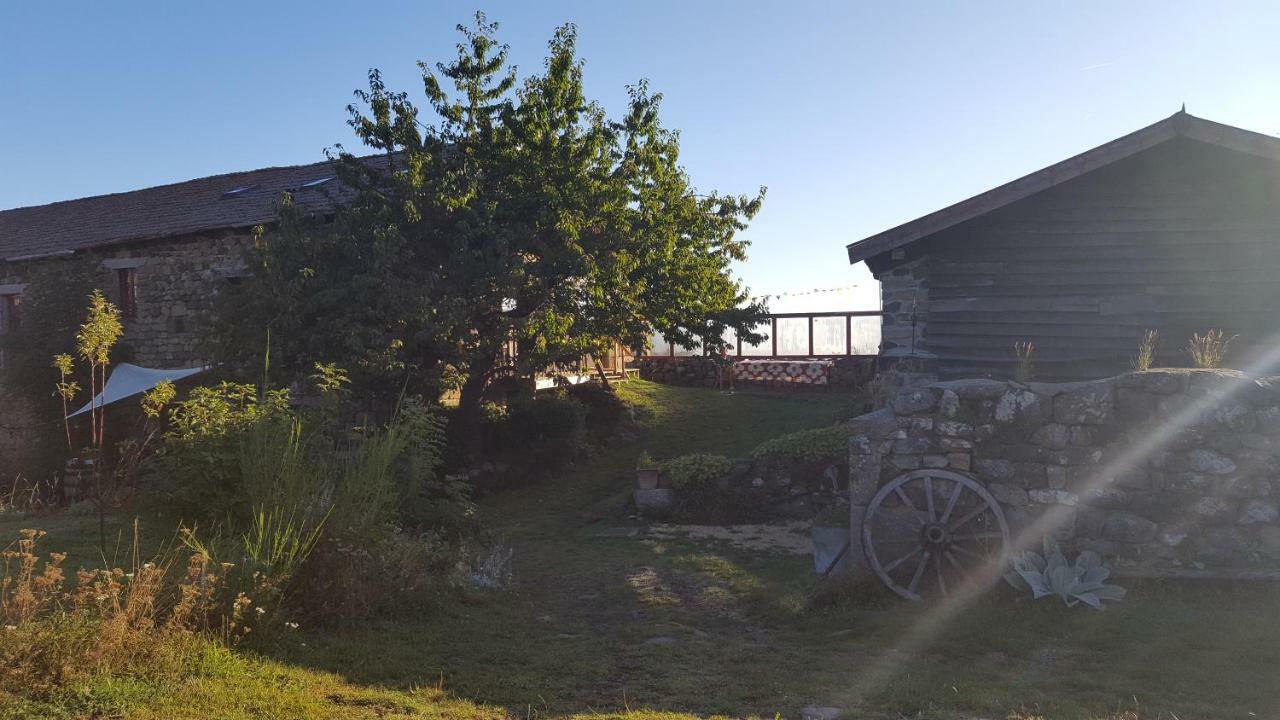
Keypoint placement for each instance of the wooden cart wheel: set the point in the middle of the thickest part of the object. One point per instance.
(932, 530)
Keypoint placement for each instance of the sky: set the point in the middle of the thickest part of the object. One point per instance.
(856, 116)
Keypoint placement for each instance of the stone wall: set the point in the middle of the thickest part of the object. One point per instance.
(846, 373)
(904, 298)
(1164, 471)
(177, 280)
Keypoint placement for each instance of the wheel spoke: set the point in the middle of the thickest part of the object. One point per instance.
(951, 503)
(982, 507)
(905, 500)
(966, 553)
(956, 563)
(942, 583)
(915, 579)
(928, 495)
(977, 536)
(893, 565)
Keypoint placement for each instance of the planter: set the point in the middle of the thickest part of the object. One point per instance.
(828, 545)
(647, 478)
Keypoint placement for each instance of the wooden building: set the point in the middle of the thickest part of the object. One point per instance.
(1175, 227)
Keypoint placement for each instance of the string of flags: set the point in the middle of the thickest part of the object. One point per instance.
(799, 293)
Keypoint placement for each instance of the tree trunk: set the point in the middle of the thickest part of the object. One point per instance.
(604, 379)
(467, 433)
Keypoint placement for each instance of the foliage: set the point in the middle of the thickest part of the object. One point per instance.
(1146, 350)
(110, 620)
(53, 305)
(1208, 350)
(645, 461)
(523, 214)
(605, 411)
(818, 445)
(1024, 370)
(1051, 574)
(697, 469)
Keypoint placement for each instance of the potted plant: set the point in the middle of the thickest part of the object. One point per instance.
(646, 472)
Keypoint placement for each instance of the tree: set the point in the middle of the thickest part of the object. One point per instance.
(523, 215)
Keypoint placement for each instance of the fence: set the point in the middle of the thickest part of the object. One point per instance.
(797, 335)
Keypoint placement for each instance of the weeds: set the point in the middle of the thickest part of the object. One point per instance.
(1024, 370)
(1146, 350)
(1208, 350)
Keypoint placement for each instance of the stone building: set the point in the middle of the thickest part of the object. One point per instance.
(163, 253)
(1171, 228)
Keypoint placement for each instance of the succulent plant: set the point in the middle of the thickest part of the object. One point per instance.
(1051, 574)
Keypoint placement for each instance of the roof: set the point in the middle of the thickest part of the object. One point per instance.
(1178, 125)
(235, 200)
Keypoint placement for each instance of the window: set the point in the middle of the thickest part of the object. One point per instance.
(128, 280)
(12, 313)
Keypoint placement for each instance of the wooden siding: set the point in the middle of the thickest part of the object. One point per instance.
(1181, 238)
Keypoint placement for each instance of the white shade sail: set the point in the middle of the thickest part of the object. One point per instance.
(128, 380)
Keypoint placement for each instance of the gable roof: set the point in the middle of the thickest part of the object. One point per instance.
(165, 211)
(1180, 124)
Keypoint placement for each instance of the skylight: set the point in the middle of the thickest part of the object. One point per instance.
(316, 183)
(238, 191)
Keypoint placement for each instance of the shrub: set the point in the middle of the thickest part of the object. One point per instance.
(819, 445)
(605, 411)
(1208, 350)
(546, 431)
(688, 471)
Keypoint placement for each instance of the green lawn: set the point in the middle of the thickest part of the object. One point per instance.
(603, 621)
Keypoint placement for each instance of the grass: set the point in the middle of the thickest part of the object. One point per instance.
(600, 621)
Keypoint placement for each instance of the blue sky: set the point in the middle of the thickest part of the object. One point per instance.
(856, 116)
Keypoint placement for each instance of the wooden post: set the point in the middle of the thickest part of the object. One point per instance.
(738, 338)
(773, 336)
(810, 336)
(848, 335)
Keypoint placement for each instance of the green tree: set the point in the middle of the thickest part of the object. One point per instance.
(522, 215)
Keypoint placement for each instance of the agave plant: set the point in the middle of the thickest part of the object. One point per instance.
(1051, 574)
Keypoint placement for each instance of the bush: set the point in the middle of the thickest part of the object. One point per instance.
(820, 445)
(605, 411)
(688, 471)
(544, 432)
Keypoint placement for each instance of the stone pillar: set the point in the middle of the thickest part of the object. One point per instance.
(866, 451)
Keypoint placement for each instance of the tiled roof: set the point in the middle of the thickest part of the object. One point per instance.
(165, 211)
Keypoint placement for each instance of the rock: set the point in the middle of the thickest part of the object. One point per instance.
(959, 461)
(1089, 522)
(1008, 494)
(974, 389)
(1163, 381)
(1052, 497)
(1259, 511)
(1022, 406)
(1105, 497)
(1081, 435)
(948, 404)
(1208, 461)
(876, 424)
(920, 424)
(1088, 403)
(655, 501)
(1056, 476)
(1213, 509)
(1244, 486)
(950, 443)
(1172, 538)
(954, 429)
(1184, 482)
(1054, 436)
(906, 462)
(1233, 416)
(993, 469)
(934, 461)
(759, 482)
(919, 400)
(1126, 527)
(914, 445)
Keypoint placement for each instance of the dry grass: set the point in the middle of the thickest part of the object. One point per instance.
(1146, 350)
(1025, 370)
(1208, 350)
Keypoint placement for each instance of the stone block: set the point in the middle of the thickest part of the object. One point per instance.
(953, 429)
(1090, 403)
(1089, 522)
(960, 461)
(656, 501)
(1244, 486)
(1055, 476)
(948, 404)
(1125, 527)
(993, 470)
(905, 462)
(1052, 497)
(1164, 381)
(1054, 436)
(1082, 435)
(1009, 494)
(1023, 407)
(1214, 509)
(1256, 512)
(916, 400)
(975, 388)
(934, 461)
(1109, 498)
(1203, 460)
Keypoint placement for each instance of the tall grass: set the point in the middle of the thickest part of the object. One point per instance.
(1146, 350)
(1024, 369)
(1208, 350)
